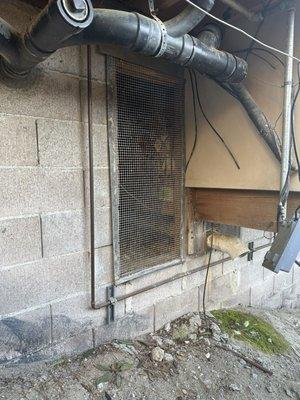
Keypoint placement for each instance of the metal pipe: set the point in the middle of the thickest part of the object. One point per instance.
(188, 19)
(235, 5)
(172, 279)
(287, 114)
(91, 175)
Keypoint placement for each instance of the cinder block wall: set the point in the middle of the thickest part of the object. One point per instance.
(44, 227)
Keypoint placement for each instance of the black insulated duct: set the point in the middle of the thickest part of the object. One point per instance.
(188, 19)
(74, 22)
(60, 20)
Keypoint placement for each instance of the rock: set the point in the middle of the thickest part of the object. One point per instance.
(195, 321)
(169, 342)
(253, 375)
(234, 388)
(181, 333)
(158, 340)
(168, 357)
(157, 354)
(215, 328)
(269, 389)
(289, 393)
(207, 355)
(224, 337)
(167, 327)
(193, 337)
(207, 341)
(207, 383)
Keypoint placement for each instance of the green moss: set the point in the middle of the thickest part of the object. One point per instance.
(251, 329)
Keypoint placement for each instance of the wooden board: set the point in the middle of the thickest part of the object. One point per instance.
(247, 208)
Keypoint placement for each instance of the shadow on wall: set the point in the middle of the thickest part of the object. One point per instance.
(23, 341)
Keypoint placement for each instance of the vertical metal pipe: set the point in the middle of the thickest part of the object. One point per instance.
(287, 110)
(91, 175)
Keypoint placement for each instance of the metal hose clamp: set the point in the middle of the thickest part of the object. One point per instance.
(163, 29)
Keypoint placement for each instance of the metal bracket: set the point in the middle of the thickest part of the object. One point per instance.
(251, 251)
(110, 293)
(163, 29)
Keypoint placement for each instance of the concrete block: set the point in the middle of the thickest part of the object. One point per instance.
(51, 95)
(43, 281)
(18, 141)
(211, 303)
(20, 240)
(262, 291)
(101, 187)
(99, 101)
(249, 275)
(250, 235)
(129, 327)
(64, 233)
(234, 265)
(222, 288)
(67, 60)
(267, 273)
(34, 190)
(153, 296)
(296, 276)
(104, 265)
(175, 306)
(240, 299)
(154, 277)
(103, 227)
(282, 280)
(274, 302)
(24, 334)
(74, 315)
(72, 346)
(65, 144)
(193, 280)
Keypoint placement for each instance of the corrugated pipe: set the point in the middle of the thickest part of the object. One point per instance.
(74, 22)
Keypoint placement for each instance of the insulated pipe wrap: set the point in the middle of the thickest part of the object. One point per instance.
(188, 19)
(53, 30)
(54, 25)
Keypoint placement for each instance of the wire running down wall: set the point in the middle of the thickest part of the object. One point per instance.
(147, 153)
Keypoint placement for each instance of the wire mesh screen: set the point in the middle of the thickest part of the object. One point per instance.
(150, 151)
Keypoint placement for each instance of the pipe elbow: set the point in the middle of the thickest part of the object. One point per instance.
(188, 19)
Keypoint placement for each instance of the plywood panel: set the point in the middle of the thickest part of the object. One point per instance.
(250, 209)
(211, 166)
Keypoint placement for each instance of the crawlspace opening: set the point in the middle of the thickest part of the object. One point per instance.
(147, 155)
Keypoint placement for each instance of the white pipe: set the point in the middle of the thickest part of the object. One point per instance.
(287, 108)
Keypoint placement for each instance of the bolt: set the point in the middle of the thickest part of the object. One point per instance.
(78, 5)
(76, 9)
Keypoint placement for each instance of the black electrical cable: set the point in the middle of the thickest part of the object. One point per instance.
(195, 120)
(264, 60)
(262, 50)
(210, 124)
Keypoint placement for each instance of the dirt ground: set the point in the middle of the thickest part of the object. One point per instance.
(197, 363)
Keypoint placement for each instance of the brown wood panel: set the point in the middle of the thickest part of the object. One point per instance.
(247, 208)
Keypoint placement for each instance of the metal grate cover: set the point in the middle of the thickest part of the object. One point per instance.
(147, 153)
